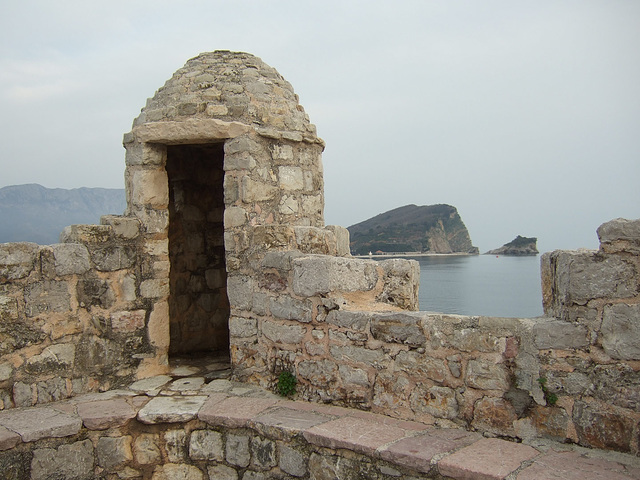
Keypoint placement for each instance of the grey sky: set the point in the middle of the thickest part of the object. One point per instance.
(523, 115)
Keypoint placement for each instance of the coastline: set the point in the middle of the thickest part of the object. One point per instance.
(410, 255)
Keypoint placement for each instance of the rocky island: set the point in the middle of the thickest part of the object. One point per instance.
(519, 246)
(412, 229)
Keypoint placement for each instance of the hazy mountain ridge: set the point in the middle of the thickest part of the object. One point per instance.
(33, 213)
(412, 228)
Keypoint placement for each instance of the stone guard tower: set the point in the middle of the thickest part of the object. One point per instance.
(224, 172)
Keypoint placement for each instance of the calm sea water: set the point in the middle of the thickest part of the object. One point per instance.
(481, 285)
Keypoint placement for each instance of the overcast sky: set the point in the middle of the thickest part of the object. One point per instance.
(523, 115)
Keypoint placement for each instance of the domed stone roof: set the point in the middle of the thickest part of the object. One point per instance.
(231, 86)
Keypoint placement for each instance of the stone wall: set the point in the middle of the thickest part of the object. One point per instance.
(225, 204)
(75, 316)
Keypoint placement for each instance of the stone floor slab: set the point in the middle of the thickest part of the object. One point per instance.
(573, 466)
(171, 409)
(150, 386)
(417, 452)
(234, 412)
(103, 414)
(486, 459)
(358, 434)
(8, 439)
(187, 384)
(40, 422)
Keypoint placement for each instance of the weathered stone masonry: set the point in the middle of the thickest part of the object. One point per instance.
(223, 249)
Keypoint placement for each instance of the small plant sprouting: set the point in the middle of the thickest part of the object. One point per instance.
(550, 397)
(286, 384)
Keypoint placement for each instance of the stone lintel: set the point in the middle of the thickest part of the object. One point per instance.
(189, 131)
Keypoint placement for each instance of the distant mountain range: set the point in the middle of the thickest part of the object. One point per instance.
(412, 228)
(33, 213)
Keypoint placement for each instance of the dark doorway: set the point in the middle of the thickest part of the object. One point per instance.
(198, 302)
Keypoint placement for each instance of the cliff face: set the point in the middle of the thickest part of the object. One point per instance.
(518, 246)
(412, 228)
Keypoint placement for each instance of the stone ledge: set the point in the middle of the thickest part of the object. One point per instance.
(405, 445)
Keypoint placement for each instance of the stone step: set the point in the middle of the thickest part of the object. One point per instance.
(433, 452)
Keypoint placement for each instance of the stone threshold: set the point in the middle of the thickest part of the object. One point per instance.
(433, 452)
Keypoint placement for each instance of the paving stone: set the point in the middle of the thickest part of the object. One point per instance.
(573, 466)
(8, 439)
(188, 384)
(171, 409)
(184, 371)
(68, 461)
(151, 385)
(219, 385)
(233, 412)
(40, 422)
(358, 434)
(418, 451)
(486, 459)
(103, 414)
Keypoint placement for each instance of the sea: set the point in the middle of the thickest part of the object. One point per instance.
(490, 285)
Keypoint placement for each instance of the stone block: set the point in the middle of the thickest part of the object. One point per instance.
(8, 309)
(93, 291)
(240, 291)
(126, 228)
(571, 465)
(222, 472)
(146, 450)
(353, 376)
(358, 354)
(237, 450)
(67, 461)
(401, 279)
(422, 366)
(150, 187)
(556, 334)
(40, 422)
(104, 414)
(290, 308)
(358, 434)
(234, 217)
(233, 412)
(584, 275)
(292, 461)
(474, 340)
(17, 260)
(319, 274)
(599, 427)
(243, 327)
(155, 288)
(485, 375)
(113, 451)
(128, 321)
(263, 453)
(400, 328)
(620, 335)
(290, 178)
(489, 458)
(176, 445)
(6, 371)
(288, 420)
(54, 358)
(177, 471)
(86, 234)
(8, 439)
(620, 235)
(113, 258)
(341, 235)
(358, 321)
(418, 451)
(283, 333)
(495, 415)
(206, 445)
(437, 401)
(256, 191)
(281, 261)
(71, 259)
(48, 296)
(171, 409)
